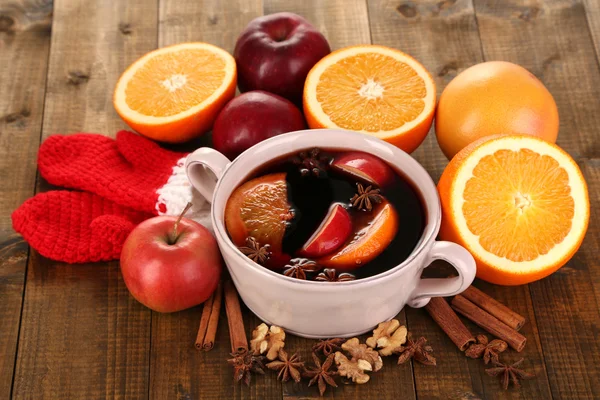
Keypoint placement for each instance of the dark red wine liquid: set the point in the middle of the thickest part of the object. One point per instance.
(312, 196)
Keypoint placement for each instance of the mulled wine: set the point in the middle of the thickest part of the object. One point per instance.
(326, 215)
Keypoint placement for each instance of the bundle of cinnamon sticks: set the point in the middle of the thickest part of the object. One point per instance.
(484, 311)
(205, 340)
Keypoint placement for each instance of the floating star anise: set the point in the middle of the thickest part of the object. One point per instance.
(418, 350)
(330, 275)
(254, 251)
(509, 373)
(489, 350)
(244, 365)
(312, 162)
(364, 199)
(321, 374)
(288, 366)
(329, 346)
(298, 267)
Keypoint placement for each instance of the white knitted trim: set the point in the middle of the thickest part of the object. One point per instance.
(177, 192)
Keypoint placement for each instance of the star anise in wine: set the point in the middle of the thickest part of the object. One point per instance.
(366, 197)
(312, 162)
(330, 275)
(489, 350)
(244, 365)
(298, 267)
(288, 366)
(417, 349)
(320, 374)
(329, 346)
(254, 251)
(509, 373)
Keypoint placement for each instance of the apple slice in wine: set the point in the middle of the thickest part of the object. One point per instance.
(365, 167)
(369, 241)
(331, 234)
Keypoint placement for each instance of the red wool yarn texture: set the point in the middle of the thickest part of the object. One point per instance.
(119, 183)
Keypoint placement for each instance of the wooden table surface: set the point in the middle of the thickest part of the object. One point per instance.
(73, 331)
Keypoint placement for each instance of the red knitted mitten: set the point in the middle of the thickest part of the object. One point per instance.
(75, 227)
(131, 170)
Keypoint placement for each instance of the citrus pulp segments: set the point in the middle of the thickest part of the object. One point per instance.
(407, 135)
(492, 267)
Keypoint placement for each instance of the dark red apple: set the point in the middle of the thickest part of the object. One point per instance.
(365, 167)
(331, 234)
(251, 118)
(169, 266)
(275, 53)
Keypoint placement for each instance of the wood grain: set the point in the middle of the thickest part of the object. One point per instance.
(24, 46)
(344, 23)
(592, 12)
(551, 39)
(443, 35)
(82, 334)
(177, 369)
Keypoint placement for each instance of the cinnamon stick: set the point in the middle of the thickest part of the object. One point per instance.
(447, 319)
(488, 322)
(237, 333)
(211, 331)
(206, 310)
(494, 307)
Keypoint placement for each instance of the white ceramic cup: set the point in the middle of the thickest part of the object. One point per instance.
(329, 309)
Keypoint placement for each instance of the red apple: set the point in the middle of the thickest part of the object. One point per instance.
(275, 53)
(251, 118)
(365, 167)
(331, 234)
(170, 266)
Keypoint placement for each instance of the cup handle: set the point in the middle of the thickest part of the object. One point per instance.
(460, 259)
(204, 167)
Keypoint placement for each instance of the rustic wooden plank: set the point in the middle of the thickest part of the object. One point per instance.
(177, 369)
(592, 8)
(443, 35)
(344, 23)
(82, 334)
(24, 43)
(551, 39)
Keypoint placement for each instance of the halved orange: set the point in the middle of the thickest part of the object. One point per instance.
(371, 89)
(519, 204)
(368, 241)
(174, 94)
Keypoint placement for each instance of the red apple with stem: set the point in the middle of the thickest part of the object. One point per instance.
(170, 263)
(251, 118)
(331, 234)
(275, 53)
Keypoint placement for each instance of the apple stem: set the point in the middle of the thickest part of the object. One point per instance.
(176, 226)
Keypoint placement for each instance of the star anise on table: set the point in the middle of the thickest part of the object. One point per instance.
(254, 251)
(418, 350)
(244, 365)
(321, 374)
(366, 197)
(328, 346)
(330, 275)
(489, 350)
(312, 162)
(288, 366)
(298, 267)
(509, 373)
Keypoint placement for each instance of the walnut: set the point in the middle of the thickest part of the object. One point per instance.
(360, 351)
(352, 369)
(388, 337)
(265, 339)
